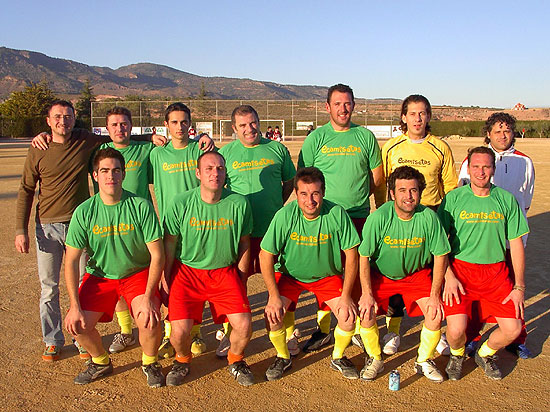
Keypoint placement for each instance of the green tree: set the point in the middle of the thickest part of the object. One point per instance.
(30, 102)
(84, 106)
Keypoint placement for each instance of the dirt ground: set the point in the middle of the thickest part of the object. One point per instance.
(29, 384)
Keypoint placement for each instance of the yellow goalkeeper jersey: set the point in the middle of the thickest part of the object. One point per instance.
(432, 157)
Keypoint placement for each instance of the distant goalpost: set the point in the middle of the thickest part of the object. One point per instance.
(226, 131)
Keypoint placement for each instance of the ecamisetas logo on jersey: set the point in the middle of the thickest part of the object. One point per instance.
(179, 167)
(413, 162)
(113, 230)
(340, 150)
(481, 216)
(310, 240)
(405, 242)
(253, 164)
(133, 165)
(210, 224)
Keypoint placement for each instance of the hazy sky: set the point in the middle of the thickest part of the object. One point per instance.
(480, 53)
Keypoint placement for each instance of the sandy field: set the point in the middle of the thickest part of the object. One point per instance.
(29, 384)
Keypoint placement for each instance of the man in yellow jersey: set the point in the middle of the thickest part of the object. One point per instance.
(417, 148)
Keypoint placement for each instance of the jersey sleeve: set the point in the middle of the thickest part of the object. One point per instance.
(248, 221)
(439, 243)
(371, 233)
(445, 217)
(172, 218)
(77, 236)
(374, 154)
(530, 184)
(349, 236)
(274, 239)
(448, 171)
(306, 158)
(289, 171)
(25, 195)
(149, 222)
(516, 224)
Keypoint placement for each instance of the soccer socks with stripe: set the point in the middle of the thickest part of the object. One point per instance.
(357, 326)
(394, 324)
(278, 339)
(227, 328)
(323, 320)
(167, 329)
(148, 360)
(184, 358)
(428, 342)
(101, 359)
(288, 321)
(124, 321)
(458, 352)
(232, 358)
(196, 331)
(485, 350)
(342, 339)
(370, 337)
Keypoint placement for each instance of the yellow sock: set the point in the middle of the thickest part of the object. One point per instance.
(227, 328)
(288, 321)
(370, 337)
(148, 360)
(101, 359)
(458, 352)
(357, 326)
(428, 342)
(196, 331)
(323, 320)
(124, 321)
(485, 350)
(393, 324)
(342, 339)
(167, 329)
(278, 339)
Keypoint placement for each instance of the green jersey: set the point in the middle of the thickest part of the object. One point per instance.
(115, 236)
(345, 158)
(173, 172)
(397, 247)
(258, 172)
(138, 167)
(478, 227)
(208, 234)
(309, 250)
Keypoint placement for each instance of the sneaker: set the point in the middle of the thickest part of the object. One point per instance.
(317, 341)
(197, 345)
(242, 373)
(489, 366)
(51, 353)
(121, 341)
(153, 371)
(520, 350)
(443, 347)
(292, 343)
(345, 366)
(277, 368)
(429, 370)
(471, 348)
(454, 367)
(357, 341)
(177, 374)
(372, 368)
(82, 353)
(224, 345)
(166, 350)
(93, 372)
(391, 343)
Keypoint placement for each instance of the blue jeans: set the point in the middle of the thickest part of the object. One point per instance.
(50, 247)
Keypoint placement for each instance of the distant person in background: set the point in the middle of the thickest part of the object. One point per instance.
(309, 129)
(515, 173)
(277, 135)
(269, 133)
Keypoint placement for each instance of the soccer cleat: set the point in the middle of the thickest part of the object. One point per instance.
(242, 373)
(371, 369)
(177, 374)
(357, 341)
(471, 348)
(429, 370)
(197, 345)
(121, 341)
(345, 366)
(166, 350)
(454, 367)
(93, 372)
(153, 371)
(443, 347)
(51, 353)
(82, 353)
(489, 365)
(277, 368)
(224, 345)
(520, 350)
(292, 343)
(391, 343)
(317, 341)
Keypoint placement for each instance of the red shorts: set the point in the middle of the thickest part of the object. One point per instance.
(101, 294)
(489, 284)
(324, 289)
(191, 288)
(413, 287)
(254, 266)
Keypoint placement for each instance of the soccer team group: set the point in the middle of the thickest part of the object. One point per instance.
(441, 252)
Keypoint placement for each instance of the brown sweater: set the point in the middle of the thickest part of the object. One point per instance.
(61, 173)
